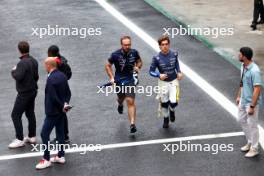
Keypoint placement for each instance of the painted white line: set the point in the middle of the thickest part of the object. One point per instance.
(127, 144)
(192, 75)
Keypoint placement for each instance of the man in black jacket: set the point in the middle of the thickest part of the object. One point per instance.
(57, 97)
(26, 76)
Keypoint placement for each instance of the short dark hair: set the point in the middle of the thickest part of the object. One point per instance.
(247, 52)
(125, 37)
(163, 38)
(23, 47)
(54, 50)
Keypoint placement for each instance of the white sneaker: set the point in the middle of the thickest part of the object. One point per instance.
(31, 140)
(16, 144)
(252, 152)
(245, 148)
(43, 164)
(56, 159)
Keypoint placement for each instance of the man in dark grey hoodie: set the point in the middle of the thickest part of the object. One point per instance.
(26, 76)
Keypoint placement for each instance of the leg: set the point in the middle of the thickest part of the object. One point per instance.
(60, 135)
(48, 125)
(252, 121)
(30, 114)
(120, 99)
(242, 119)
(120, 95)
(173, 93)
(66, 131)
(164, 98)
(17, 112)
(131, 109)
(256, 12)
(66, 127)
(261, 11)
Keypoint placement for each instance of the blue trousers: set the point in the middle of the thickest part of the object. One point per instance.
(49, 124)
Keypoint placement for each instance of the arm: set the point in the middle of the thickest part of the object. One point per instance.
(109, 71)
(257, 81)
(153, 67)
(108, 68)
(238, 95)
(177, 65)
(68, 94)
(138, 65)
(152, 70)
(256, 94)
(36, 75)
(20, 71)
(178, 69)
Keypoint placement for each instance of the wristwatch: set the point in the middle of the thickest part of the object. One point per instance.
(251, 106)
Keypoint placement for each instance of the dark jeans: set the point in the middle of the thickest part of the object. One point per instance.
(49, 124)
(258, 11)
(66, 128)
(24, 103)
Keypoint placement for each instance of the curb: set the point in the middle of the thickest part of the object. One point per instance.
(225, 55)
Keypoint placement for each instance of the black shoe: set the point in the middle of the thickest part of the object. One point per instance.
(133, 128)
(166, 123)
(253, 26)
(172, 116)
(120, 109)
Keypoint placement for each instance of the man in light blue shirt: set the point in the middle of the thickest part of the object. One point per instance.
(248, 100)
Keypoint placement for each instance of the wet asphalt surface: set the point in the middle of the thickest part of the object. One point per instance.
(94, 119)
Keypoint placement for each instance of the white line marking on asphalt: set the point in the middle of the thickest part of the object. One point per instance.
(192, 75)
(127, 144)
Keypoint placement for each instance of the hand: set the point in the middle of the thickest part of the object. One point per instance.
(163, 76)
(179, 76)
(66, 107)
(14, 68)
(112, 80)
(237, 100)
(251, 111)
(136, 69)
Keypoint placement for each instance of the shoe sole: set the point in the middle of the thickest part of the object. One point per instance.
(43, 168)
(252, 156)
(244, 150)
(27, 142)
(16, 147)
(56, 162)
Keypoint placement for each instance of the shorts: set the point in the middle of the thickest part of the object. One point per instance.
(128, 90)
